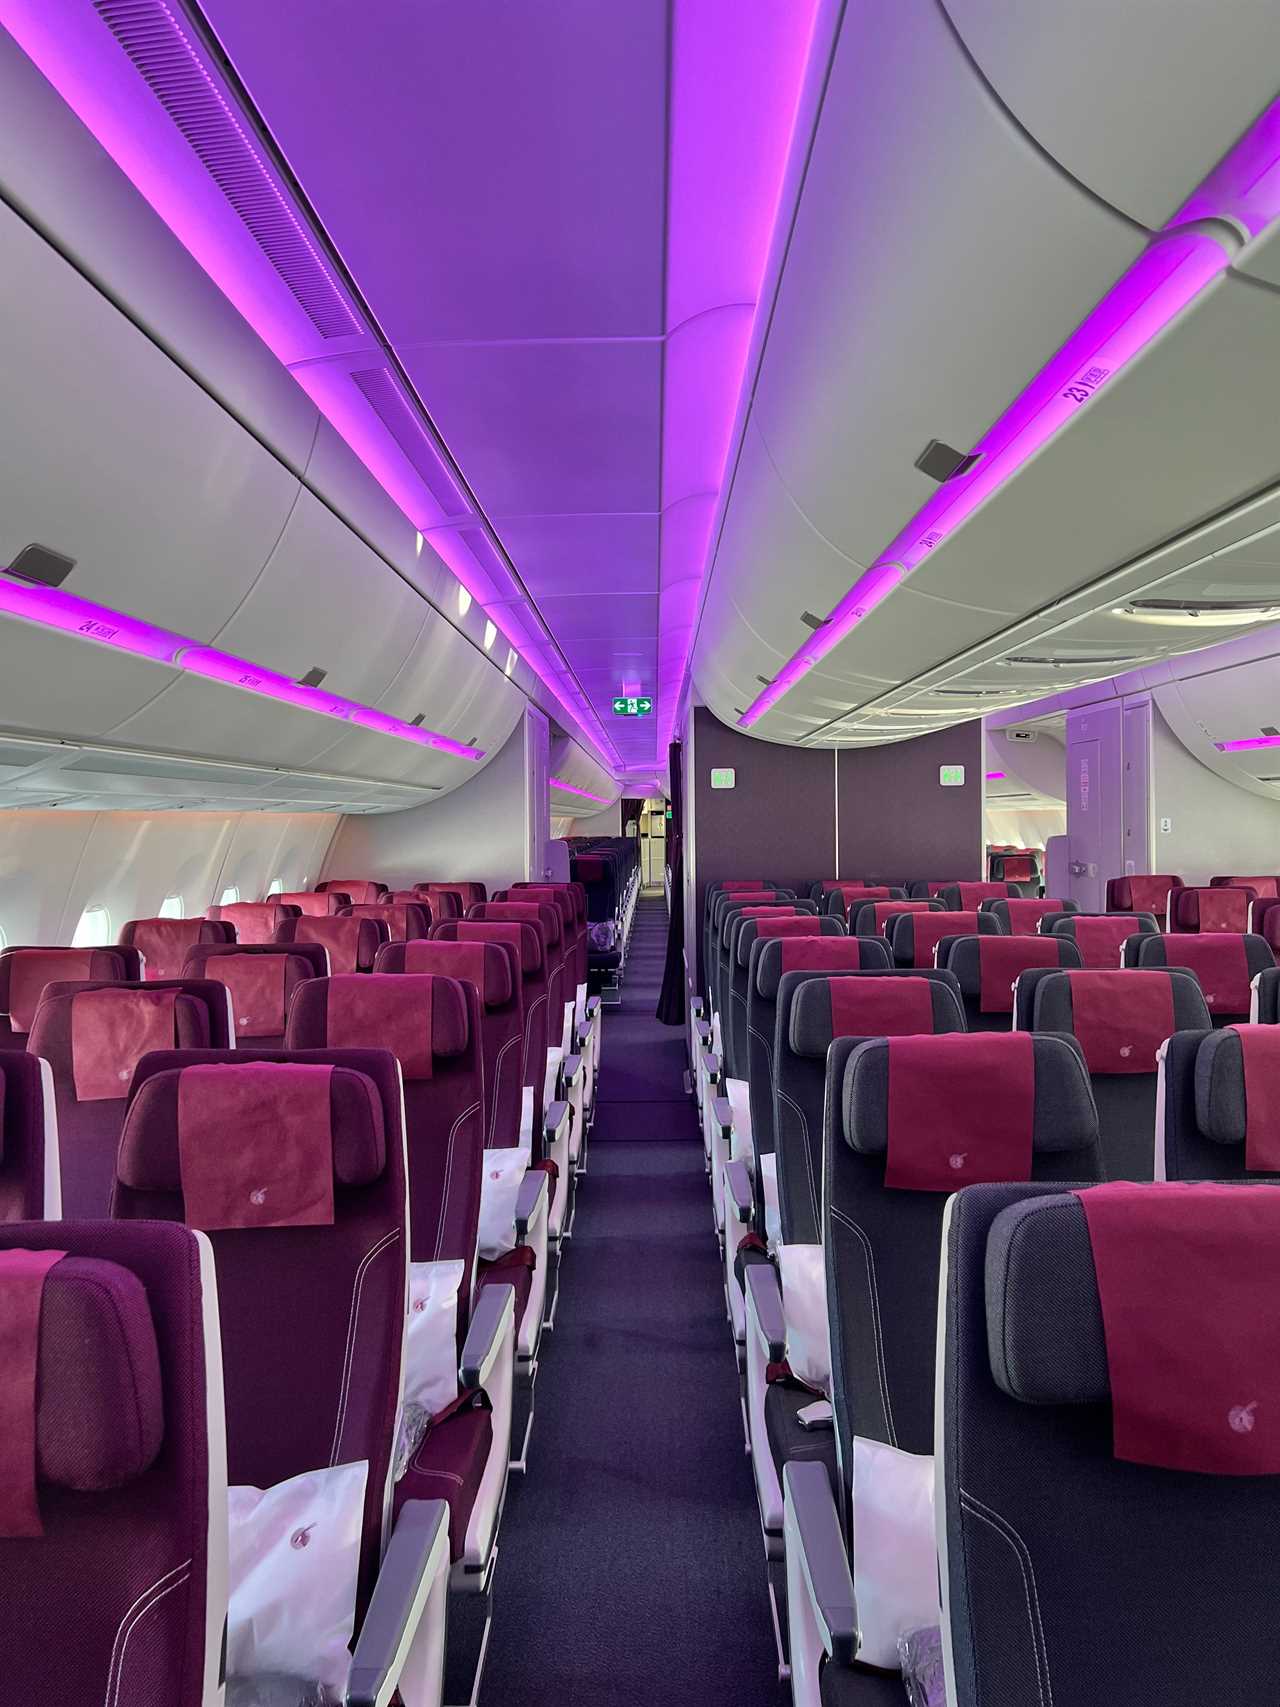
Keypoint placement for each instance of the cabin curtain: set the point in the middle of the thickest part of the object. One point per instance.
(671, 1000)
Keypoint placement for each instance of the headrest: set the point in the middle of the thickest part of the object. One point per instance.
(872, 1004)
(351, 942)
(1156, 1297)
(255, 921)
(1266, 888)
(915, 936)
(1022, 917)
(403, 919)
(589, 868)
(869, 918)
(526, 939)
(163, 943)
(1237, 1092)
(149, 1158)
(1223, 961)
(314, 903)
(355, 888)
(98, 1399)
(1120, 1018)
(1063, 1116)
(966, 897)
(545, 894)
(112, 1028)
(1212, 909)
(1101, 937)
(418, 1017)
(989, 966)
(1148, 893)
(826, 953)
(781, 925)
(24, 972)
(483, 964)
(545, 917)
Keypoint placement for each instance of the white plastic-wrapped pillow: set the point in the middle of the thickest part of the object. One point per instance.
(895, 1548)
(503, 1174)
(741, 1148)
(293, 1560)
(769, 1192)
(804, 1304)
(431, 1340)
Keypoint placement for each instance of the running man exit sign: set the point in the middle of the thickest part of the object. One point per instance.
(632, 705)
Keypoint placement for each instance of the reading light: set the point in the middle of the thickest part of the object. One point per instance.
(464, 600)
(995, 776)
(513, 658)
(490, 635)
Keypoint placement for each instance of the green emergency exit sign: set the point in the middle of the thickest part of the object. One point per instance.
(632, 705)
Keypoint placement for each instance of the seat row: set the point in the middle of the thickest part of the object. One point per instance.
(868, 1092)
(608, 868)
(386, 1194)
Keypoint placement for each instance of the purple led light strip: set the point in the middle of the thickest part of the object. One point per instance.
(569, 788)
(995, 776)
(1243, 188)
(50, 607)
(1248, 746)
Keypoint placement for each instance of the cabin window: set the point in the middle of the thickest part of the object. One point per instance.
(490, 635)
(93, 930)
(229, 896)
(172, 907)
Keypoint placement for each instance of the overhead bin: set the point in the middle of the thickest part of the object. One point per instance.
(1137, 102)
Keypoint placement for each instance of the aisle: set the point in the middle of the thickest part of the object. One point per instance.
(631, 1567)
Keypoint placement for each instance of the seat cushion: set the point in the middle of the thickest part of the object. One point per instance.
(449, 1465)
(788, 1441)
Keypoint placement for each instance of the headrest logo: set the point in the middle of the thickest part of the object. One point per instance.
(301, 1538)
(258, 1197)
(958, 1160)
(1241, 1418)
(1126, 1049)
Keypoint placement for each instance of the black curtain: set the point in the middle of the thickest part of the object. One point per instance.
(671, 1000)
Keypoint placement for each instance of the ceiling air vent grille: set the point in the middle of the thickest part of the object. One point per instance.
(1205, 607)
(389, 404)
(167, 60)
(1050, 662)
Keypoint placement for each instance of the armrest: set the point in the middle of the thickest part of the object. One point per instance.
(417, 1554)
(764, 1297)
(571, 1068)
(582, 1035)
(593, 1006)
(712, 1064)
(493, 1314)
(813, 1528)
(738, 1193)
(722, 1113)
(531, 1201)
(703, 1029)
(553, 1122)
(697, 1008)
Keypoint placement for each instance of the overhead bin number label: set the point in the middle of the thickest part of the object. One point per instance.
(98, 630)
(1084, 385)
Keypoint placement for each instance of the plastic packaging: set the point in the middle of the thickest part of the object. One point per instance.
(920, 1654)
(276, 1690)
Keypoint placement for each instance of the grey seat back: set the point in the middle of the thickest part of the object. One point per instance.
(1022, 917)
(913, 937)
(1100, 937)
(1204, 1109)
(1225, 963)
(735, 975)
(988, 967)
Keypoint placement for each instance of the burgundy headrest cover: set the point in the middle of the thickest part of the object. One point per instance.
(164, 944)
(148, 1159)
(545, 917)
(24, 972)
(482, 963)
(527, 939)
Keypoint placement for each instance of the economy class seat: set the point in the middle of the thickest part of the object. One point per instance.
(405, 920)
(351, 941)
(777, 904)
(30, 1175)
(468, 894)
(293, 1169)
(802, 917)
(93, 1036)
(356, 889)
(1078, 1377)
(1224, 962)
(1120, 1019)
(840, 899)
(1192, 910)
(914, 937)
(118, 1389)
(163, 943)
(988, 967)
(1265, 888)
(261, 979)
(446, 902)
(1145, 893)
(1100, 937)
(814, 1009)
(871, 918)
(717, 904)
(254, 921)
(314, 903)
(910, 1121)
(24, 972)
(1023, 917)
(1209, 1128)
(965, 897)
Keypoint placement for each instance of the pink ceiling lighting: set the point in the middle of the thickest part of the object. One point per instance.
(1249, 745)
(583, 793)
(1178, 266)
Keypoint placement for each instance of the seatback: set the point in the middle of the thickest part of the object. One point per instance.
(356, 889)
(1120, 1020)
(1038, 1397)
(526, 940)
(908, 1121)
(30, 1187)
(93, 1036)
(930, 888)
(1146, 893)
(988, 967)
(546, 919)
(313, 903)
(494, 969)
(870, 918)
(350, 940)
(967, 897)
(254, 921)
(1024, 917)
(1264, 920)
(913, 937)
(723, 947)
(1210, 909)
(1266, 1000)
(445, 901)
(1100, 937)
(163, 943)
(717, 901)
(1226, 964)
(598, 877)
(840, 899)
(405, 920)
(432, 1026)
(113, 1376)
(813, 1010)
(1210, 1126)
(468, 894)
(1014, 866)
(571, 898)
(772, 950)
(262, 978)
(24, 972)
(1265, 888)
(797, 918)
(313, 1311)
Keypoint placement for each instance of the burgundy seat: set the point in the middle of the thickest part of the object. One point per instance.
(129, 1488)
(988, 969)
(914, 937)
(469, 894)
(870, 918)
(1265, 888)
(351, 942)
(841, 899)
(1218, 909)
(261, 978)
(571, 898)
(1145, 893)
(163, 943)
(24, 972)
(93, 1036)
(405, 920)
(547, 920)
(254, 921)
(314, 903)
(311, 1273)
(965, 897)
(356, 889)
(1225, 962)
(1100, 937)
(1022, 917)
(446, 902)
(432, 1026)
(29, 1179)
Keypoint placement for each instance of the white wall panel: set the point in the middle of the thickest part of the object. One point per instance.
(1214, 827)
